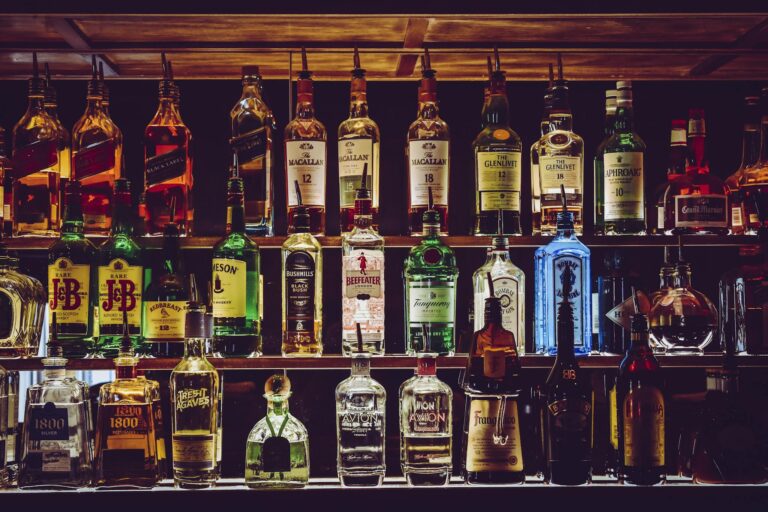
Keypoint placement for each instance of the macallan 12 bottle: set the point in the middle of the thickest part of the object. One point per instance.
(167, 163)
(427, 155)
(306, 154)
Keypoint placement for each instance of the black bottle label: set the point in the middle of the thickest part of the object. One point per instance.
(48, 423)
(299, 292)
(94, 159)
(705, 210)
(276, 455)
(250, 146)
(167, 166)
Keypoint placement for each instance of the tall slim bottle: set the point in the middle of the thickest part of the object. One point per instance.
(359, 139)
(544, 128)
(678, 162)
(750, 153)
(608, 128)
(64, 141)
(428, 155)
(306, 154)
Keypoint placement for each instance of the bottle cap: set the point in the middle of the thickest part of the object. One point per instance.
(564, 217)
(357, 72)
(301, 214)
(278, 385)
(431, 216)
(305, 74)
(250, 71)
(194, 321)
(36, 83)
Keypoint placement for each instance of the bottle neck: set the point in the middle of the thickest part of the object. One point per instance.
(73, 216)
(236, 218)
(126, 370)
(667, 278)
(561, 121)
(624, 120)
(251, 88)
(431, 230)
(93, 105)
(697, 137)
(426, 366)
(361, 365)
(497, 111)
(194, 347)
(36, 104)
(609, 123)
(428, 109)
(358, 101)
(122, 222)
(723, 381)
(171, 249)
(684, 276)
(278, 406)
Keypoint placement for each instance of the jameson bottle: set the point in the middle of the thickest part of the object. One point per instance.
(498, 156)
(71, 278)
(237, 326)
(120, 276)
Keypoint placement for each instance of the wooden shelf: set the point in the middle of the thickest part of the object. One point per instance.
(388, 362)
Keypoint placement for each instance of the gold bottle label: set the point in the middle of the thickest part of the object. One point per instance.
(229, 287)
(643, 416)
(127, 426)
(120, 287)
(490, 447)
(197, 450)
(613, 421)
(498, 179)
(68, 293)
(164, 320)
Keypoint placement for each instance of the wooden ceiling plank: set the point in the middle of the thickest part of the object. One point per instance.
(750, 39)
(75, 38)
(415, 32)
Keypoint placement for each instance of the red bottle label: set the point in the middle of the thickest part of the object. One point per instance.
(35, 157)
(94, 159)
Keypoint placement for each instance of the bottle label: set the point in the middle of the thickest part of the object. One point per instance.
(164, 319)
(498, 180)
(129, 433)
(363, 294)
(643, 417)
(120, 287)
(705, 210)
(432, 305)
(361, 431)
(38, 156)
(507, 289)
(736, 217)
(165, 167)
(623, 186)
(613, 418)
(94, 159)
(353, 154)
(300, 275)
(621, 315)
(559, 264)
(491, 447)
(251, 146)
(276, 455)
(194, 452)
(595, 314)
(48, 423)
(229, 288)
(305, 163)
(429, 167)
(430, 414)
(560, 170)
(68, 294)
(660, 217)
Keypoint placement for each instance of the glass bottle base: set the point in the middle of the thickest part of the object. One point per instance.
(237, 346)
(428, 478)
(360, 479)
(494, 477)
(272, 484)
(204, 480)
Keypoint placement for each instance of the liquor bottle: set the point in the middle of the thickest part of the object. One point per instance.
(561, 161)
(492, 448)
(597, 165)
(754, 180)
(126, 443)
(97, 151)
(36, 166)
(6, 187)
(237, 326)
(428, 155)
(167, 163)
(612, 304)
(50, 102)
(426, 426)
(667, 278)
(195, 407)
(568, 404)
(498, 157)
(679, 155)
(685, 321)
(166, 297)
(360, 423)
(565, 251)
(12, 428)
(160, 428)
(277, 449)
(120, 276)
(55, 447)
(306, 154)
(641, 410)
(71, 279)
(362, 262)
(4, 471)
(750, 152)
(359, 139)
(23, 302)
(430, 274)
(544, 128)
(620, 184)
(302, 271)
(252, 137)
(698, 202)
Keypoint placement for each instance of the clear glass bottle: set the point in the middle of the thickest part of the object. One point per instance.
(306, 154)
(561, 162)
(235, 287)
(608, 129)
(678, 158)
(50, 102)
(498, 158)
(565, 251)
(428, 155)
(18, 311)
(360, 423)
(167, 163)
(55, 445)
(754, 182)
(750, 153)
(13, 429)
(544, 128)
(362, 262)
(359, 140)
(277, 449)
(36, 177)
(430, 274)
(620, 185)
(195, 407)
(509, 285)
(97, 157)
(302, 271)
(426, 426)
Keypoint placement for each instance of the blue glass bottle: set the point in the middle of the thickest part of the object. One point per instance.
(565, 250)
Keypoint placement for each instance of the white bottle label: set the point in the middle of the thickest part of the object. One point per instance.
(498, 180)
(623, 185)
(362, 298)
(595, 314)
(704, 210)
(560, 170)
(432, 305)
(736, 218)
(353, 155)
(507, 289)
(428, 167)
(660, 217)
(306, 164)
(577, 301)
(229, 287)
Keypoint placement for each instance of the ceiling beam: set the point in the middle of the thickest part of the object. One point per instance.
(415, 32)
(749, 40)
(74, 37)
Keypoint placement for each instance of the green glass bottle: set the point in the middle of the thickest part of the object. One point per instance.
(237, 327)
(71, 280)
(430, 276)
(120, 276)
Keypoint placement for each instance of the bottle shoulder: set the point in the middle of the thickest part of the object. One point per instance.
(359, 127)
(624, 142)
(196, 365)
(120, 246)
(233, 244)
(302, 242)
(79, 250)
(498, 138)
(361, 239)
(425, 385)
(294, 430)
(359, 385)
(499, 268)
(428, 129)
(305, 129)
(445, 262)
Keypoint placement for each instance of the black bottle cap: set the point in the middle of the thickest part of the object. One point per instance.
(301, 214)
(564, 217)
(305, 73)
(431, 216)
(126, 343)
(357, 72)
(36, 83)
(426, 65)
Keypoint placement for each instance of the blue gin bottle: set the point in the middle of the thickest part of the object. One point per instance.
(564, 251)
